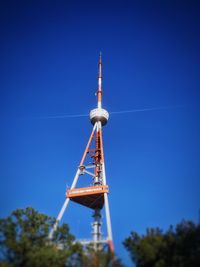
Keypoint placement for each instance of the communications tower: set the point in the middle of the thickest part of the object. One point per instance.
(94, 196)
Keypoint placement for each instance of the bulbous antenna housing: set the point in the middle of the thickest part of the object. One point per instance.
(99, 114)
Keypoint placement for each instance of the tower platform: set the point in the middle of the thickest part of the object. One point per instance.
(91, 197)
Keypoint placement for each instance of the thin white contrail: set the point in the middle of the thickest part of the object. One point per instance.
(55, 117)
(65, 116)
(145, 109)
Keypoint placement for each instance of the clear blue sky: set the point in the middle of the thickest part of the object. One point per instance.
(151, 58)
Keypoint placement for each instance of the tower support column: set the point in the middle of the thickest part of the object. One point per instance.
(108, 222)
(107, 209)
(60, 215)
(96, 229)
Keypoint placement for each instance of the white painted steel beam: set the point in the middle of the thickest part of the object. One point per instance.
(60, 215)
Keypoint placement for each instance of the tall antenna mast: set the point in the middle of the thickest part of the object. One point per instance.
(99, 91)
(94, 196)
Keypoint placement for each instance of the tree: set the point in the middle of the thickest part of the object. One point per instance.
(24, 241)
(100, 258)
(177, 247)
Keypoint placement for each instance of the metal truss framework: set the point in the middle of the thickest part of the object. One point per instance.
(94, 197)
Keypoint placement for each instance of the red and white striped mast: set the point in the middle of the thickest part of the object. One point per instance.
(95, 196)
(99, 91)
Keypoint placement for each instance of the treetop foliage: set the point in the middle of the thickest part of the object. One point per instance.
(24, 242)
(177, 247)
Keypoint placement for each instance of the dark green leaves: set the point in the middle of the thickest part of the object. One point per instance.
(179, 247)
(24, 241)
